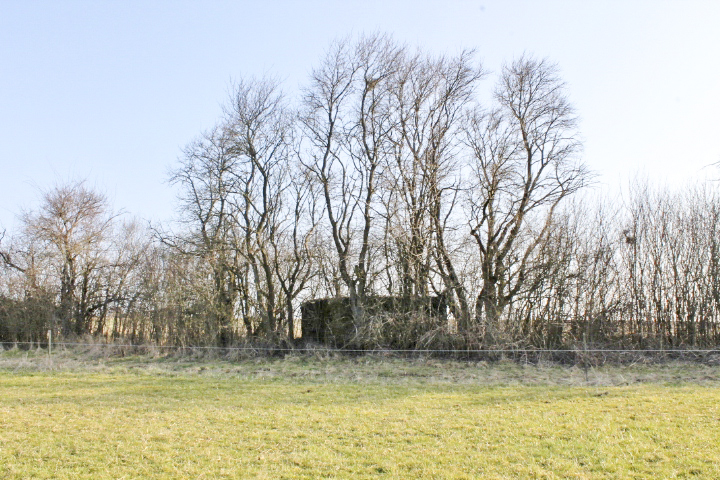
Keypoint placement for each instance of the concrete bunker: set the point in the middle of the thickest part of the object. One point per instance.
(329, 321)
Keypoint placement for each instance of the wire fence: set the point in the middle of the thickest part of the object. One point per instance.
(580, 355)
(379, 350)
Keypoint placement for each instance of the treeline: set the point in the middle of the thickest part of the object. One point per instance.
(386, 177)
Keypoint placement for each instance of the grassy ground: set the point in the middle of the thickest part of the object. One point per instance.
(83, 416)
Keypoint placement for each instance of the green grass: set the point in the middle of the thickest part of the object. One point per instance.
(363, 418)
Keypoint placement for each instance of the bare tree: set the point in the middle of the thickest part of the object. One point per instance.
(525, 165)
(240, 196)
(348, 123)
(28, 289)
(431, 95)
(293, 255)
(74, 223)
(669, 265)
(122, 279)
(594, 275)
(268, 198)
(208, 181)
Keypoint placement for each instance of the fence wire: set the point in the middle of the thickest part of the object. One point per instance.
(314, 349)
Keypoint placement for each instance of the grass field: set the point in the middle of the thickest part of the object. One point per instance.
(303, 417)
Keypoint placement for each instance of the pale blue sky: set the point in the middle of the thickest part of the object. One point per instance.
(111, 91)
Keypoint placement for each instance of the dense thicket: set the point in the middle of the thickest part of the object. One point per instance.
(386, 177)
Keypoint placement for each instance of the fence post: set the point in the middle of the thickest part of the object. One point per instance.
(49, 343)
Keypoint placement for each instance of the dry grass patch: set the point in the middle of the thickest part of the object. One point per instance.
(363, 369)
